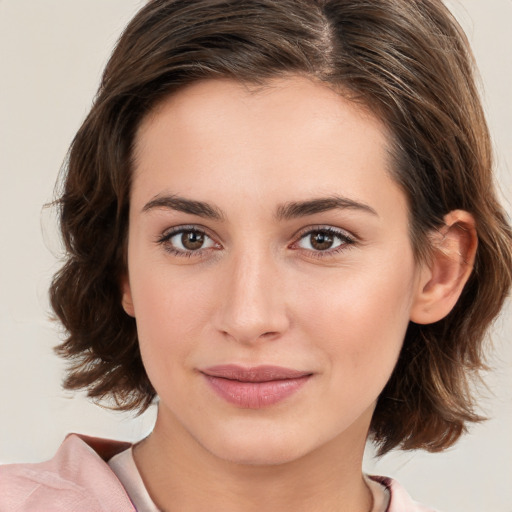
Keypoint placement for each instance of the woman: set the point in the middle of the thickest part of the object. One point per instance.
(280, 220)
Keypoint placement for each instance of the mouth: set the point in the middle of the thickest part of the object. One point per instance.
(255, 387)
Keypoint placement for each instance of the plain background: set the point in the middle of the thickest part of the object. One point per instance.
(51, 56)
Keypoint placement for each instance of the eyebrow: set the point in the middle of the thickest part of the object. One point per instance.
(287, 211)
(181, 204)
(295, 209)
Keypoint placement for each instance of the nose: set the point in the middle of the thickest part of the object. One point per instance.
(252, 303)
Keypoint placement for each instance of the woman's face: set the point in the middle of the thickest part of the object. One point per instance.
(265, 231)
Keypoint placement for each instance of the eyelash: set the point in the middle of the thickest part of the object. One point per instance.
(347, 241)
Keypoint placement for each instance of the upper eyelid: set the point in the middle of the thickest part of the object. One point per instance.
(303, 230)
(325, 227)
(170, 232)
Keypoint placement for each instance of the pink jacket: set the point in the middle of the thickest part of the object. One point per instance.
(78, 479)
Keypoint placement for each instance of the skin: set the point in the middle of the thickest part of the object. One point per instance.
(259, 292)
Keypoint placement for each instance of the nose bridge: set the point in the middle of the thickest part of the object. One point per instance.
(253, 301)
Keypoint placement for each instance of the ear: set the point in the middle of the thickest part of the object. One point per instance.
(126, 299)
(442, 279)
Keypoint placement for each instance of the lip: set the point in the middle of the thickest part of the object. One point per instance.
(254, 387)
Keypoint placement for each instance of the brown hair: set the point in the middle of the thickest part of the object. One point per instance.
(409, 61)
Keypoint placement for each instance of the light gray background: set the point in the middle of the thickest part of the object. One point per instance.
(51, 56)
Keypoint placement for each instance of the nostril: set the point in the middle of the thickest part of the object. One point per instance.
(249, 337)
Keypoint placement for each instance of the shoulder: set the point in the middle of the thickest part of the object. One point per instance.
(77, 478)
(399, 500)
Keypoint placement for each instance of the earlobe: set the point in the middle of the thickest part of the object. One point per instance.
(442, 279)
(126, 299)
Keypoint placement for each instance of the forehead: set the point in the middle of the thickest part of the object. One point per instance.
(284, 100)
(299, 135)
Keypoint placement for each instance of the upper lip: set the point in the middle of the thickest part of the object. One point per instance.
(263, 373)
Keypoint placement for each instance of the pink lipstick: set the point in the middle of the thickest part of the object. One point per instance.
(256, 387)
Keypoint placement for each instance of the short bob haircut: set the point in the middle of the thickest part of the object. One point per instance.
(406, 61)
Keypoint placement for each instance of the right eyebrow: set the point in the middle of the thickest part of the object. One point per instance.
(180, 204)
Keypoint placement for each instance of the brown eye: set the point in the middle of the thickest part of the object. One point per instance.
(192, 240)
(321, 241)
(187, 241)
(326, 240)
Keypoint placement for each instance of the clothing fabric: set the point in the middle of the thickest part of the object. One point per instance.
(79, 479)
(123, 465)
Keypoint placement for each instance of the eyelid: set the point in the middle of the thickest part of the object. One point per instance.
(343, 233)
(188, 227)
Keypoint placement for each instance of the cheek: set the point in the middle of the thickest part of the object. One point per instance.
(173, 309)
(359, 319)
(167, 300)
(167, 309)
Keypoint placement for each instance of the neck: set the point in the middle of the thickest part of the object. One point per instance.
(181, 475)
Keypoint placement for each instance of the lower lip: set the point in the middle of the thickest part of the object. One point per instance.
(255, 395)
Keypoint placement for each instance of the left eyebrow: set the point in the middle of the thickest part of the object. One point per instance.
(294, 209)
